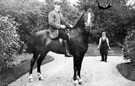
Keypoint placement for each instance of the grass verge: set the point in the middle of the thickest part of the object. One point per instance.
(127, 70)
(9, 75)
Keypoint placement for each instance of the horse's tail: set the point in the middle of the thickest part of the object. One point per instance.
(30, 45)
(30, 49)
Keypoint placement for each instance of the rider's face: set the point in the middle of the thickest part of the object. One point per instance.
(58, 7)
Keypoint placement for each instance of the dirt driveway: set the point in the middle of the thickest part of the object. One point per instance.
(94, 73)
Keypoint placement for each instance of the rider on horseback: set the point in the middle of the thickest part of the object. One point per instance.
(58, 25)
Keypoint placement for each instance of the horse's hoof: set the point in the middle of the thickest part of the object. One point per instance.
(75, 82)
(80, 82)
(41, 78)
(31, 80)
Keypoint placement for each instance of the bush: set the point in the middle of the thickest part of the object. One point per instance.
(9, 40)
(129, 47)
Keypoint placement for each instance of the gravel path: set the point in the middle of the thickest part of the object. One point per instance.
(94, 73)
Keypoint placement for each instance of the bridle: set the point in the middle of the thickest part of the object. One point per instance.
(84, 29)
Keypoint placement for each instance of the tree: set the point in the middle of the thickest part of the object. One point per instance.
(70, 12)
(116, 20)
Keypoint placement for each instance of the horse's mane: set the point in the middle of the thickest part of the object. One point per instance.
(79, 19)
(74, 32)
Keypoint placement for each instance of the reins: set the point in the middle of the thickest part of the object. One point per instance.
(79, 33)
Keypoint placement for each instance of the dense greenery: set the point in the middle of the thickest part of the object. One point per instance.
(129, 47)
(9, 40)
(116, 21)
(129, 42)
(18, 21)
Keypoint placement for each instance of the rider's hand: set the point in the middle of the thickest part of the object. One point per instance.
(71, 26)
(62, 26)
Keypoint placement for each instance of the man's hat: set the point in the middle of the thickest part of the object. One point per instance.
(57, 2)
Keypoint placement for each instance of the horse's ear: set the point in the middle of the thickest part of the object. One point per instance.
(86, 7)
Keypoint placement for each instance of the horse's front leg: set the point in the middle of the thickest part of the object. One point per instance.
(75, 76)
(79, 69)
(79, 76)
(75, 71)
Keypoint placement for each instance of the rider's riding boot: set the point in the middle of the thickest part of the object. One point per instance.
(67, 54)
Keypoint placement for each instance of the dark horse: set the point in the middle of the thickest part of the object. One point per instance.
(78, 45)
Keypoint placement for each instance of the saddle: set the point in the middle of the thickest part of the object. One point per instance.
(53, 34)
(71, 33)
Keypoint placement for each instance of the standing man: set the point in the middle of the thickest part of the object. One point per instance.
(58, 25)
(103, 47)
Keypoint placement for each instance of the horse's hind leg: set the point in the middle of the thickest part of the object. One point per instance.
(77, 69)
(39, 61)
(35, 56)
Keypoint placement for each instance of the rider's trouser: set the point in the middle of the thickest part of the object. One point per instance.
(63, 34)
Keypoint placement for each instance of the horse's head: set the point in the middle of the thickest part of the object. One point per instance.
(85, 22)
(88, 19)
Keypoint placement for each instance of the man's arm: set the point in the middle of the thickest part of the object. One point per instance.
(51, 20)
(66, 23)
(108, 43)
(99, 43)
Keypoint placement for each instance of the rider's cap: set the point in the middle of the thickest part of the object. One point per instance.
(57, 2)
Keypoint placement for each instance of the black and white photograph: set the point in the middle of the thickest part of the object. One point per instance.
(67, 42)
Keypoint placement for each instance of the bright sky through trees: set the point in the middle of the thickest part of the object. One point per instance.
(74, 1)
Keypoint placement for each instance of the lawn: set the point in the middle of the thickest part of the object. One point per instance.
(9, 75)
(127, 70)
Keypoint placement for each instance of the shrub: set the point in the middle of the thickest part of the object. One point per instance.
(9, 40)
(129, 46)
